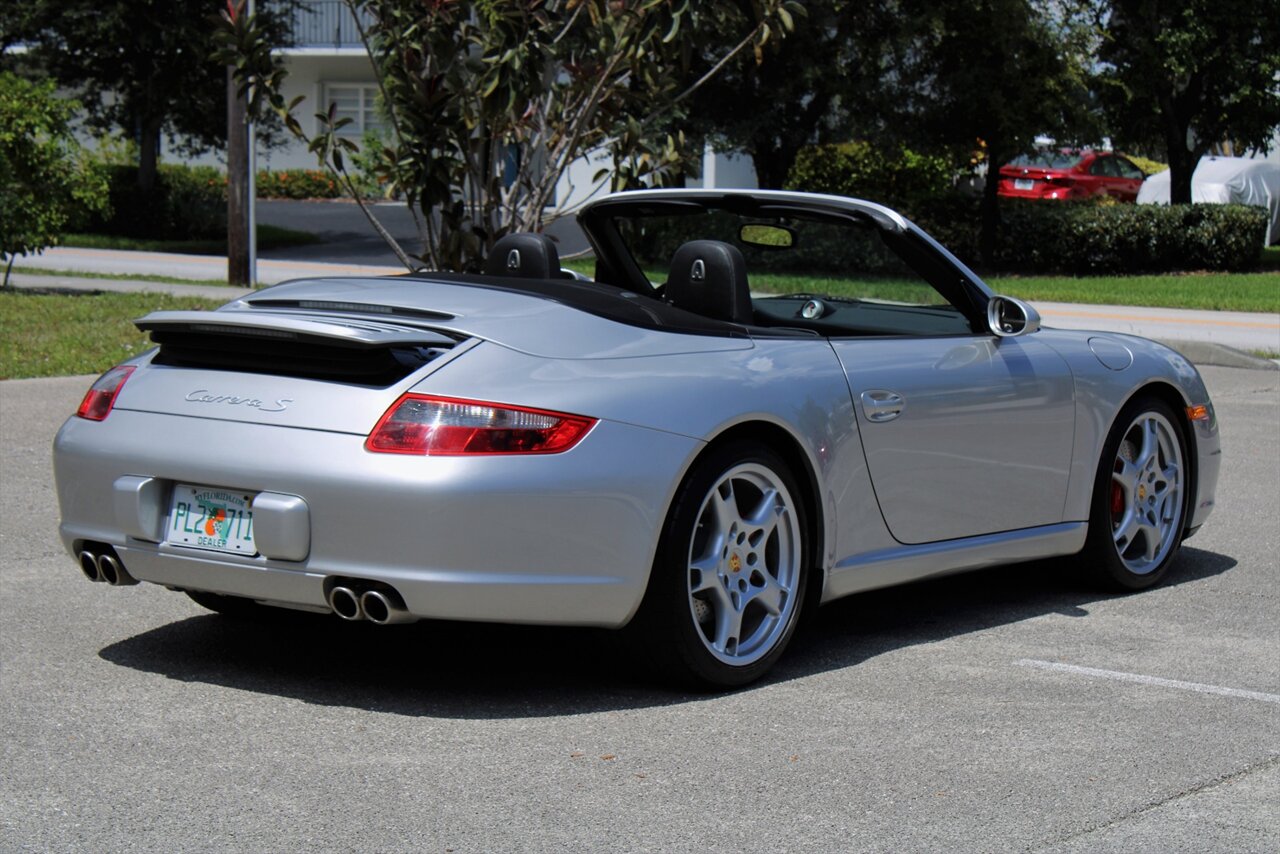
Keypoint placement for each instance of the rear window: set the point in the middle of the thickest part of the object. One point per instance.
(1048, 159)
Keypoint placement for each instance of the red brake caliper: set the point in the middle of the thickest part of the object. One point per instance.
(1117, 499)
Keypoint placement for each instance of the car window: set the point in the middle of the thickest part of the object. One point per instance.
(877, 283)
(1128, 170)
(1106, 166)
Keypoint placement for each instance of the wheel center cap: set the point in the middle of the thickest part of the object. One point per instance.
(1142, 492)
(735, 562)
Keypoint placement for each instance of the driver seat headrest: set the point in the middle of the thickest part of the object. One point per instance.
(709, 278)
(523, 255)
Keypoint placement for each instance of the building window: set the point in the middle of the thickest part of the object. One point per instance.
(358, 102)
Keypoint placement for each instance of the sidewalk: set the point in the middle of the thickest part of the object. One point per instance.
(1205, 337)
(199, 267)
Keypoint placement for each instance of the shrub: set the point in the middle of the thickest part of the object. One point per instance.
(897, 177)
(1148, 167)
(297, 184)
(1086, 239)
(1094, 237)
(186, 203)
(46, 182)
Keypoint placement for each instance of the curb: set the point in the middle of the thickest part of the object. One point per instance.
(1220, 355)
(31, 281)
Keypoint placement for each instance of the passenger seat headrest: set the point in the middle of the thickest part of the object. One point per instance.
(710, 278)
(523, 255)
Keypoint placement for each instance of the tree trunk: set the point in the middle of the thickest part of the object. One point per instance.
(148, 153)
(237, 187)
(990, 211)
(773, 163)
(1182, 164)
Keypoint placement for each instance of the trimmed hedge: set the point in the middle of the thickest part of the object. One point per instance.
(297, 184)
(186, 203)
(1081, 238)
(1077, 238)
(1086, 239)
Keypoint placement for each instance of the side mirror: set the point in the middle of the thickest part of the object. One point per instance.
(1008, 317)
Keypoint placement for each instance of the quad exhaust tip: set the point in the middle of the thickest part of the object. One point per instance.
(381, 605)
(102, 564)
(384, 607)
(89, 566)
(345, 602)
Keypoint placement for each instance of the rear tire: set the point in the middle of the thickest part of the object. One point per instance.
(728, 583)
(1140, 497)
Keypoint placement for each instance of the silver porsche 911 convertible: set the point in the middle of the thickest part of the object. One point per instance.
(662, 447)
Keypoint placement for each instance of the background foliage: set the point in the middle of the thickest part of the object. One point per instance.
(140, 67)
(46, 182)
(490, 103)
(1180, 77)
(183, 203)
(892, 175)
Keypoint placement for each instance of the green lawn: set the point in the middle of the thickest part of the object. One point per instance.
(57, 334)
(269, 237)
(1212, 291)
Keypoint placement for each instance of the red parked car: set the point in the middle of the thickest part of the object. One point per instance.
(1070, 175)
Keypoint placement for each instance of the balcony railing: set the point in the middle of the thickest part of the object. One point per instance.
(325, 23)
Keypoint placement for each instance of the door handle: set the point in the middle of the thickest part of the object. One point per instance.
(881, 405)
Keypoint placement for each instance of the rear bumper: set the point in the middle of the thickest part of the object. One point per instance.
(563, 539)
(1041, 190)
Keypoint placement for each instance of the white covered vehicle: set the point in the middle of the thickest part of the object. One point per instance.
(1226, 180)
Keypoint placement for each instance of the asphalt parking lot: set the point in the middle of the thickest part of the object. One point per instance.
(1008, 710)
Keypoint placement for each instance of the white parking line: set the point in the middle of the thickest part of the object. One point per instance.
(1148, 680)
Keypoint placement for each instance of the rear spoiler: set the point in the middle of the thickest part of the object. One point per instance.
(281, 326)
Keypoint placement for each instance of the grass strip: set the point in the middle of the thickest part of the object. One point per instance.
(116, 277)
(59, 334)
(1207, 291)
(269, 237)
(1271, 258)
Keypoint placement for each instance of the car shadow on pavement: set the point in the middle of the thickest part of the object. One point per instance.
(478, 671)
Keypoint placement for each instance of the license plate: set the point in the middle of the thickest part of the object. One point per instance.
(204, 517)
(1023, 183)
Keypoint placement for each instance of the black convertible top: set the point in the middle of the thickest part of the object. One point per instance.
(608, 301)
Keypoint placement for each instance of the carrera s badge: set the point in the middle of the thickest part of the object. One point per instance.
(202, 395)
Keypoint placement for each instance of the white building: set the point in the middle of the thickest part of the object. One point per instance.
(328, 64)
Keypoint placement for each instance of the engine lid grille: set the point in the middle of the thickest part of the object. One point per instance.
(334, 349)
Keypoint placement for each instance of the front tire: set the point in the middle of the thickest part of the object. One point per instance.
(729, 580)
(1139, 498)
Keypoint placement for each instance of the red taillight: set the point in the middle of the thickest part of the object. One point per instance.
(444, 426)
(101, 396)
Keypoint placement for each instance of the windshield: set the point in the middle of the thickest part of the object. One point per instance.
(882, 277)
(836, 258)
